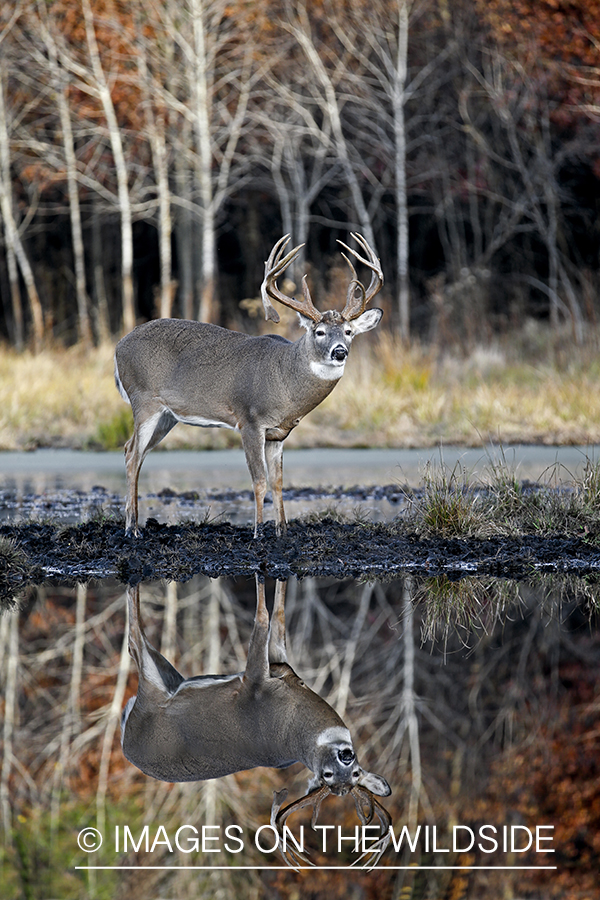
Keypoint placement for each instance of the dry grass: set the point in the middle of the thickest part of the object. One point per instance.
(390, 396)
(55, 398)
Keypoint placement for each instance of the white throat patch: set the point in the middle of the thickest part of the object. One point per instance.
(327, 371)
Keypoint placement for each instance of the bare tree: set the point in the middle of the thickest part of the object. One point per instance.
(156, 126)
(523, 112)
(289, 120)
(15, 251)
(93, 80)
(298, 24)
(101, 87)
(211, 91)
(60, 80)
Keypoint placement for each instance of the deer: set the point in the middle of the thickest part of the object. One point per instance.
(207, 726)
(176, 370)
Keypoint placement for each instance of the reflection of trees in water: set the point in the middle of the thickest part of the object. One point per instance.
(438, 681)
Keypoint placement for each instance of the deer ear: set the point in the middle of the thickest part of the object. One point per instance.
(305, 322)
(374, 783)
(368, 320)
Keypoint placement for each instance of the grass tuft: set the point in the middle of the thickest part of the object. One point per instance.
(452, 504)
(447, 506)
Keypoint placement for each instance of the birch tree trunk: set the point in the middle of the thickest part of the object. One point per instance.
(165, 224)
(183, 236)
(201, 99)
(116, 143)
(399, 99)
(102, 319)
(301, 30)
(283, 194)
(85, 331)
(11, 259)
(15, 250)
(13, 278)
(155, 127)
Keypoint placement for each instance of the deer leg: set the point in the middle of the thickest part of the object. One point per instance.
(274, 458)
(132, 470)
(253, 442)
(145, 436)
(277, 648)
(257, 664)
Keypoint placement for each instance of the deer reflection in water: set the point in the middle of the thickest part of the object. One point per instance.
(207, 726)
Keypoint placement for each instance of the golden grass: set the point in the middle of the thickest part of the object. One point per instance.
(390, 396)
(54, 398)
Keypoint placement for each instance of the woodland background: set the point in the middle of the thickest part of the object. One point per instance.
(152, 153)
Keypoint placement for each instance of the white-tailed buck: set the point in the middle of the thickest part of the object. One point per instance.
(192, 729)
(173, 370)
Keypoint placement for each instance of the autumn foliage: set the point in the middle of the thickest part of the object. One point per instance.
(462, 137)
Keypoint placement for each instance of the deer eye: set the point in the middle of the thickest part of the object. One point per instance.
(320, 332)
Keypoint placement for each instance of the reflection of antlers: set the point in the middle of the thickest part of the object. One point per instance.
(292, 856)
(362, 796)
(366, 805)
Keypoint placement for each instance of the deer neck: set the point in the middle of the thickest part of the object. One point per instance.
(305, 723)
(312, 374)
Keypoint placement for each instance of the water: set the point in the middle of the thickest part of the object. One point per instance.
(71, 484)
(476, 698)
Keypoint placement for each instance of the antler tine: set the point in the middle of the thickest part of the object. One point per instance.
(378, 848)
(274, 267)
(355, 306)
(279, 817)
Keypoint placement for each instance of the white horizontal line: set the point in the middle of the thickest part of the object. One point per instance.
(314, 868)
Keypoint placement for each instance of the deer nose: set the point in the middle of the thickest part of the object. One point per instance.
(340, 789)
(346, 757)
(339, 353)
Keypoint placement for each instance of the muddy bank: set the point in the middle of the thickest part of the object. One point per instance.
(35, 552)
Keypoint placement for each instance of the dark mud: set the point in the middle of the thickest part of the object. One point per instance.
(35, 552)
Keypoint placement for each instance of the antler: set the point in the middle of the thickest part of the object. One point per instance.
(274, 267)
(357, 298)
(362, 798)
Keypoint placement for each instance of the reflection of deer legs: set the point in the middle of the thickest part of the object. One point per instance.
(156, 674)
(277, 649)
(267, 641)
(257, 663)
